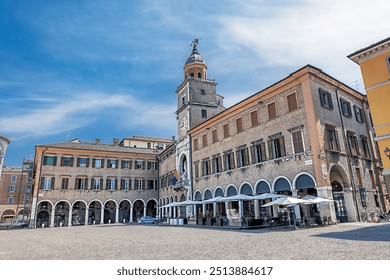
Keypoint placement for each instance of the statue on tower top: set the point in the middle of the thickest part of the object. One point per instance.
(194, 45)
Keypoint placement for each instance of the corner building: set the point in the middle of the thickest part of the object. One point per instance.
(306, 134)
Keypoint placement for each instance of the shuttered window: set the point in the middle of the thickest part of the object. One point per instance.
(271, 110)
(239, 125)
(196, 145)
(254, 118)
(292, 102)
(215, 136)
(226, 130)
(204, 139)
(297, 141)
(325, 99)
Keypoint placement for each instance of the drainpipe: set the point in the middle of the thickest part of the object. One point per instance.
(348, 156)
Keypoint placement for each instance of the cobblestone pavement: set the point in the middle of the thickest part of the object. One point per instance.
(349, 241)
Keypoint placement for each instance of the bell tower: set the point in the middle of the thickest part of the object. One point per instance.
(197, 101)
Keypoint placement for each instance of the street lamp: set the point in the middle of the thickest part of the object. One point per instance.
(387, 152)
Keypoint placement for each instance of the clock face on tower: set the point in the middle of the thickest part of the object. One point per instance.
(183, 127)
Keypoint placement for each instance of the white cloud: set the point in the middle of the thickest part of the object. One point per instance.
(63, 115)
(321, 33)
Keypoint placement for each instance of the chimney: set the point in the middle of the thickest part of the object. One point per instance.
(97, 141)
(115, 141)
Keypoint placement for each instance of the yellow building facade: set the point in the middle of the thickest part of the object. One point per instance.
(374, 62)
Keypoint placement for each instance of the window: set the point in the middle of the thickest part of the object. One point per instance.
(66, 161)
(50, 160)
(125, 184)
(359, 177)
(196, 169)
(242, 157)
(297, 141)
(112, 163)
(97, 183)
(47, 183)
(11, 188)
(366, 149)
(10, 200)
(151, 165)
(216, 164)
(254, 118)
(204, 140)
(111, 184)
(326, 99)
(353, 144)
(226, 130)
(333, 139)
(182, 101)
(215, 136)
(80, 183)
(239, 125)
(258, 151)
(292, 102)
(98, 163)
(345, 107)
(64, 183)
(149, 145)
(202, 90)
(271, 110)
(139, 164)
(358, 114)
(82, 162)
(229, 160)
(126, 164)
(138, 184)
(373, 185)
(151, 184)
(205, 167)
(196, 145)
(13, 178)
(388, 62)
(276, 146)
(204, 114)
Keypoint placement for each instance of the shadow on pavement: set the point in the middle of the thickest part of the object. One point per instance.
(372, 233)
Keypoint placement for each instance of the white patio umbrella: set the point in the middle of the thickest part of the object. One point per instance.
(268, 196)
(238, 197)
(316, 199)
(188, 202)
(287, 200)
(212, 200)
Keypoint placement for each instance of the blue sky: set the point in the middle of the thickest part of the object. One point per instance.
(109, 69)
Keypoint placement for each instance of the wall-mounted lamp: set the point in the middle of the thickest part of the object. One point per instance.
(387, 152)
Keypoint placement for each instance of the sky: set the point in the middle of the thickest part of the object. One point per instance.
(109, 69)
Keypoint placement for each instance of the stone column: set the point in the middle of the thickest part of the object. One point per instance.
(70, 217)
(131, 213)
(53, 210)
(144, 210)
(240, 210)
(117, 214)
(257, 209)
(215, 209)
(175, 212)
(86, 216)
(102, 216)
